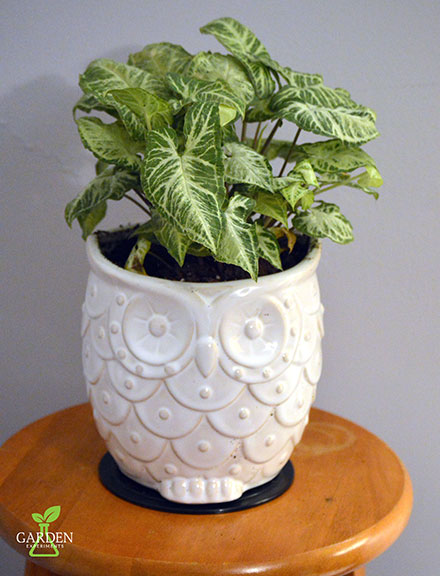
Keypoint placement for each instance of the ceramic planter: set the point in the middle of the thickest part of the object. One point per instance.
(201, 391)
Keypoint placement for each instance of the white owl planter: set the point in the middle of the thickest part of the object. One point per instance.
(201, 391)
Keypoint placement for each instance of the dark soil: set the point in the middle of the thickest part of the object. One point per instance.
(117, 245)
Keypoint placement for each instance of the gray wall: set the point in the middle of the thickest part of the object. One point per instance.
(381, 293)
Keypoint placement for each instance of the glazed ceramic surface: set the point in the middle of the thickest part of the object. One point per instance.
(201, 391)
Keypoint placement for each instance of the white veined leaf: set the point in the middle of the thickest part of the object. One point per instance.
(136, 258)
(299, 79)
(173, 240)
(268, 246)
(104, 75)
(151, 109)
(326, 111)
(305, 170)
(267, 203)
(260, 111)
(110, 142)
(88, 221)
(295, 192)
(245, 165)
(226, 68)
(325, 221)
(238, 239)
(345, 179)
(195, 90)
(111, 184)
(245, 46)
(87, 103)
(336, 156)
(187, 188)
(161, 58)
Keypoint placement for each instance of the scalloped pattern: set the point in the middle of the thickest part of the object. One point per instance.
(201, 393)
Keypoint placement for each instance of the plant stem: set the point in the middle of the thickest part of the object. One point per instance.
(254, 143)
(243, 130)
(292, 146)
(271, 135)
(142, 207)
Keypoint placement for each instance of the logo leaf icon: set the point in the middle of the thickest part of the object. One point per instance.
(38, 518)
(52, 514)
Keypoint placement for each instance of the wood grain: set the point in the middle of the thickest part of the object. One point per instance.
(351, 499)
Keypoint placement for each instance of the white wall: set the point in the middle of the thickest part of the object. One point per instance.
(381, 293)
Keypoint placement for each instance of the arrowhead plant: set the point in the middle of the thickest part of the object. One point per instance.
(169, 132)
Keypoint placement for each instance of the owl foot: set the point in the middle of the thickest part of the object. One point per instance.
(201, 490)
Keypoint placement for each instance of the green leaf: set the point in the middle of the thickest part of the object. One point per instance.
(136, 258)
(174, 241)
(227, 69)
(88, 221)
(52, 514)
(344, 179)
(245, 165)
(278, 149)
(238, 239)
(299, 79)
(305, 170)
(335, 156)
(110, 142)
(187, 188)
(267, 203)
(195, 90)
(325, 221)
(295, 192)
(371, 177)
(268, 246)
(229, 133)
(161, 58)
(38, 518)
(260, 111)
(325, 111)
(111, 184)
(87, 103)
(245, 46)
(103, 76)
(153, 110)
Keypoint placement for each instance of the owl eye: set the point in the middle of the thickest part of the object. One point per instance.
(151, 333)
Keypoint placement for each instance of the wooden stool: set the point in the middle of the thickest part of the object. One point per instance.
(350, 501)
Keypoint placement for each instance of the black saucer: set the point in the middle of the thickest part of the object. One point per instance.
(123, 487)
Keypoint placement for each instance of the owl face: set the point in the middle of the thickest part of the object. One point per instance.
(201, 391)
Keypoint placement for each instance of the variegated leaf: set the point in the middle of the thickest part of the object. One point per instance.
(335, 156)
(136, 258)
(227, 69)
(111, 184)
(345, 179)
(245, 165)
(195, 90)
(299, 79)
(306, 172)
(161, 58)
(325, 221)
(267, 203)
(268, 246)
(87, 103)
(151, 109)
(104, 75)
(260, 111)
(89, 220)
(245, 46)
(187, 187)
(173, 240)
(325, 111)
(278, 149)
(294, 192)
(238, 240)
(110, 142)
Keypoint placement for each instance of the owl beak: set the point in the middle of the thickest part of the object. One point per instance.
(206, 355)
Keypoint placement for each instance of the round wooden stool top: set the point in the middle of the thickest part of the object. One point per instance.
(350, 500)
